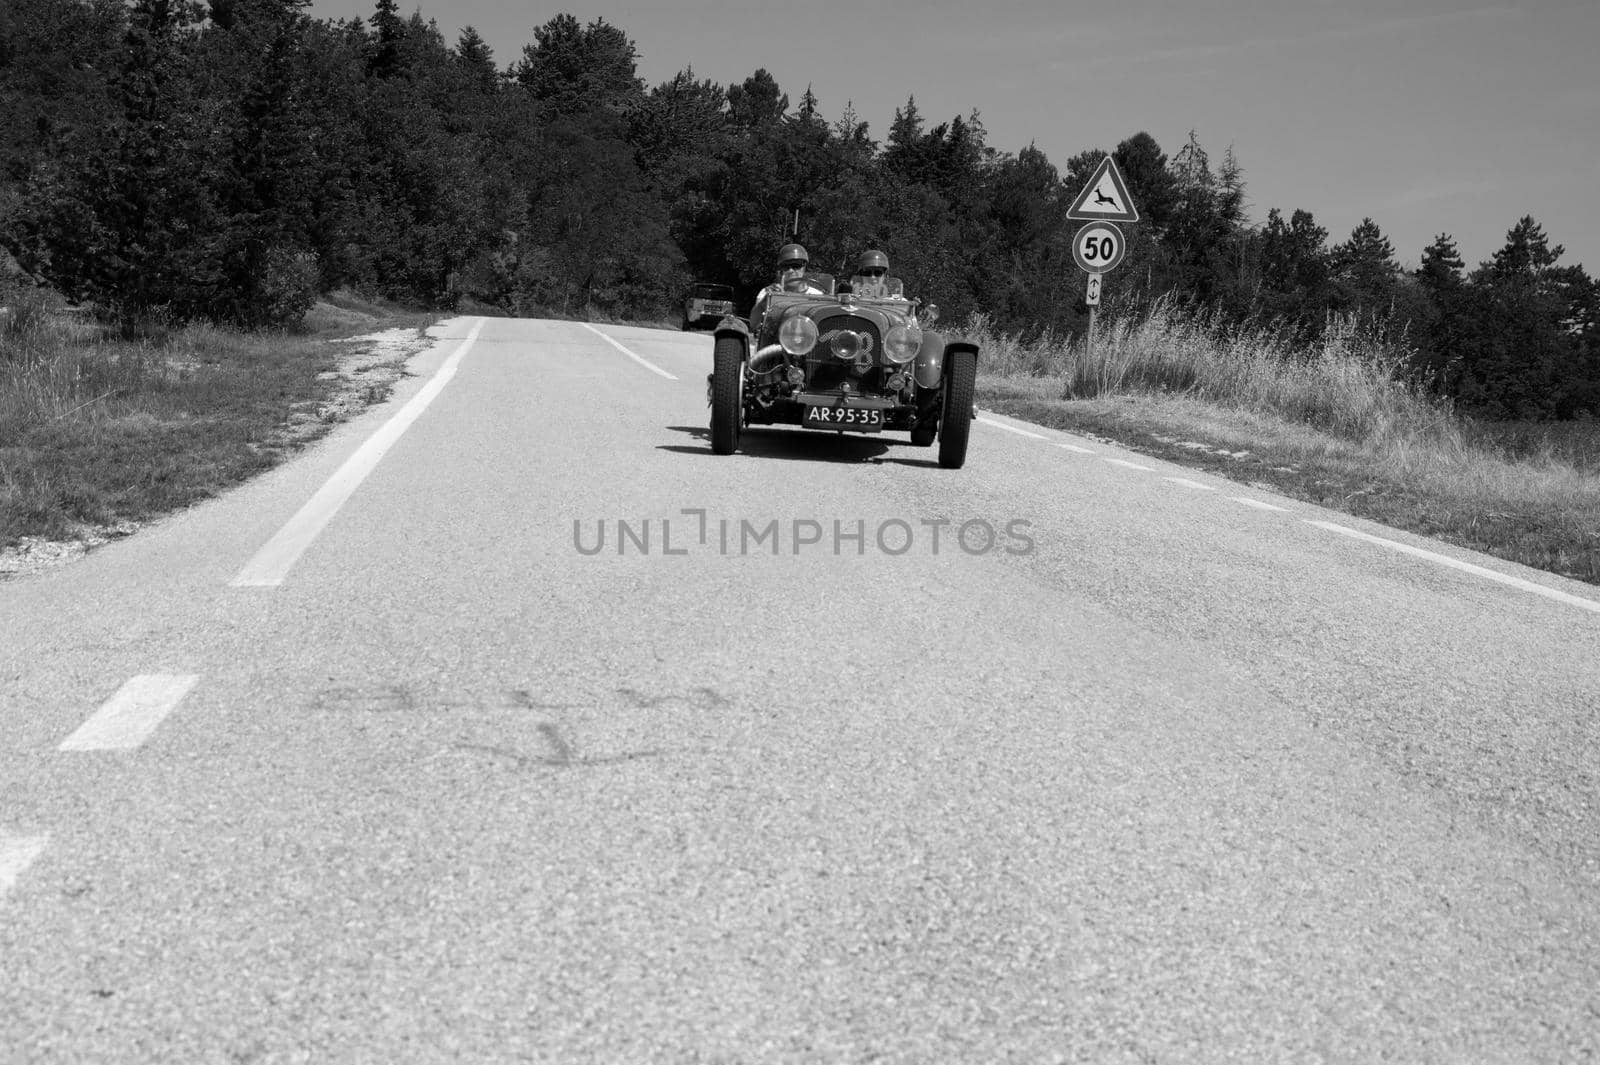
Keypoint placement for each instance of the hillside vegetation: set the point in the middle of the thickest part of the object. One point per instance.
(1334, 424)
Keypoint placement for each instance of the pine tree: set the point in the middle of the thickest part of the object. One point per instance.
(1365, 268)
(1516, 353)
(477, 59)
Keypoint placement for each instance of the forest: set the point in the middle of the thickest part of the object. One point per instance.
(232, 161)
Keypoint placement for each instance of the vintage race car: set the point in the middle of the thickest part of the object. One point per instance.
(706, 304)
(842, 363)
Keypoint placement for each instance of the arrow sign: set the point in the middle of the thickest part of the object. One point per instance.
(1105, 198)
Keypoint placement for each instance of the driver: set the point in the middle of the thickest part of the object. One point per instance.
(792, 263)
(870, 278)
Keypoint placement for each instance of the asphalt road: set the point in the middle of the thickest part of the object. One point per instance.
(1131, 764)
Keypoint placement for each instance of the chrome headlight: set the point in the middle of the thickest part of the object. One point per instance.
(902, 342)
(847, 343)
(798, 335)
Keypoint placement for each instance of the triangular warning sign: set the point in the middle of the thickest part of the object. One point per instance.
(1105, 198)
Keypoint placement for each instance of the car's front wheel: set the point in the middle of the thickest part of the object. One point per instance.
(727, 394)
(961, 374)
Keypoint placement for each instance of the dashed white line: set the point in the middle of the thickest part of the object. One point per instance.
(1258, 504)
(1466, 567)
(1013, 429)
(1130, 465)
(273, 562)
(129, 717)
(16, 854)
(1186, 483)
(646, 363)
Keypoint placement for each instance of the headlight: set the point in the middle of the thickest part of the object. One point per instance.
(798, 335)
(902, 342)
(846, 343)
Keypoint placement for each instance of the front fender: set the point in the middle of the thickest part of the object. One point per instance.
(929, 367)
(731, 328)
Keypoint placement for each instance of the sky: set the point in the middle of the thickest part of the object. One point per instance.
(1429, 116)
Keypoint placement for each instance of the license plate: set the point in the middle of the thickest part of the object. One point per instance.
(858, 419)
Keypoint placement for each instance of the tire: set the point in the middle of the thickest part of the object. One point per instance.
(956, 424)
(684, 328)
(727, 394)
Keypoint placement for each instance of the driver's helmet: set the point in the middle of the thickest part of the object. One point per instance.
(872, 269)
(792, 262)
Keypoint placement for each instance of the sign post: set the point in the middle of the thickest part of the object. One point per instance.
(1099, 246)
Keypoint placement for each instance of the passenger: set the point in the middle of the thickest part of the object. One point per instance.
(870, 279)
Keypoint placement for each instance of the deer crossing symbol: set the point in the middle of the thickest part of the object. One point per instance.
(1100, 197)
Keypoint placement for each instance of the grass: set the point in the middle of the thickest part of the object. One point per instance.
(1339, 424)
(99, 432)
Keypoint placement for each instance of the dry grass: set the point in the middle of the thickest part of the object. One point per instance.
(98, 431)
(1340, 424)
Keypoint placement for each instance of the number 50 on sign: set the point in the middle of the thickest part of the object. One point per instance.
(1098, 247)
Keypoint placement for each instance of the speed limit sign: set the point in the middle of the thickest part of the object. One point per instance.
(1098, 247)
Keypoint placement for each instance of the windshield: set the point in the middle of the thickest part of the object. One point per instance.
(713, 292)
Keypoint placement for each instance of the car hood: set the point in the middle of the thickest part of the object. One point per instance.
(821, 307)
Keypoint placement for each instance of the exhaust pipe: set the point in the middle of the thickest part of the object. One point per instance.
(767, 359)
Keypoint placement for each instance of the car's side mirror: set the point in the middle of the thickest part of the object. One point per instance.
(929, 314)
(844, 289)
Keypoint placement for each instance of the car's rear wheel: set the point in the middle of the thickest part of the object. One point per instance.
(727, 394)
(961, 374)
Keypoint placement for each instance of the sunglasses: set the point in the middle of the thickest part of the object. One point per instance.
(874, 272)
(792, 266)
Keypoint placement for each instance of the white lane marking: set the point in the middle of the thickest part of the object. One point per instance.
(646, 363)
(1185, 482)
(273, 562)
(16, 854)
(1013, 429)
(1075, 448)
(1130, 465)
(129, 717)
(1466, 567)
(1258, 504)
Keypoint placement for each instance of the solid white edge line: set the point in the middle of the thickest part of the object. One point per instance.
(1012, 429)
(646, 363)
(16, 854)
(1466, 567)
(272, 563)
(1130, 465)
(1185, 482)
(1258, 504)
(129, 717)
(1075, 448)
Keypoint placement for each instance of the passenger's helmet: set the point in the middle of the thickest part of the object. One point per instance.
(792, 255)
(871, 262)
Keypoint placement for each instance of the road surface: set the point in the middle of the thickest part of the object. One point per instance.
(511, 724)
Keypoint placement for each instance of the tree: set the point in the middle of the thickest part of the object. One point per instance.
(1365, 269)
(1517, 352)
(477, 59)
(1151, 184)
(1295, 270)
(756, 102)
(572, 68)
